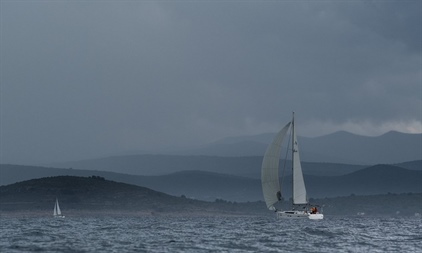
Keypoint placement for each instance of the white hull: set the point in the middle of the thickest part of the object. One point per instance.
(299, 215)
(316, 216)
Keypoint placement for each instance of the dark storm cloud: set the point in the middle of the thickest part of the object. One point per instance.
(90, 78)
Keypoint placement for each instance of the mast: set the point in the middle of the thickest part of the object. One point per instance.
(293, 154)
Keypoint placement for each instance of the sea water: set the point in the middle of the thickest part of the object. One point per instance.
(210, 234)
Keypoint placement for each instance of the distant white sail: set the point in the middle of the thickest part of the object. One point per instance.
(55, 208)
(57, 211)
(269, 170)
(299, 190)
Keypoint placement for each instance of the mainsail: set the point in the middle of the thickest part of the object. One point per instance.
(269, 171)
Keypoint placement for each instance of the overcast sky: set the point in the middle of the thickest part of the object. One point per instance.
(82, 79)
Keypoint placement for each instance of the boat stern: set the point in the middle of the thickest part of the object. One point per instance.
(316, 216)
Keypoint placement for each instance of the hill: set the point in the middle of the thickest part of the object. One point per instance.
(97, 194)
(194, 184)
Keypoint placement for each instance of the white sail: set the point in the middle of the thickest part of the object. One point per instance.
(57, 208)
(299, 190)
(269, 170)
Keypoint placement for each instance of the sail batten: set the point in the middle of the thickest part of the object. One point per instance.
(269, 170)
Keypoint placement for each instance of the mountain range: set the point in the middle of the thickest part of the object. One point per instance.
(206, 185)
(235, 176)
(248, 166)
(339, 147)
(224, 177)
(96, 196)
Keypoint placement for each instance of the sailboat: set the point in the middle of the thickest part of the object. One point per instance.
(271, 183)
(57, 213)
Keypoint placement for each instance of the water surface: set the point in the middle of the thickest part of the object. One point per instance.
(210, 234)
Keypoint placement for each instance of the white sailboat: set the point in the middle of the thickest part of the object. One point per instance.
(57, 213)
(271, 183)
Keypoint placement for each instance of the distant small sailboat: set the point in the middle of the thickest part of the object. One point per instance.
(271, 183)
(57, 213)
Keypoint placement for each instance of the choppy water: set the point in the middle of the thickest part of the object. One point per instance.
(199, 234)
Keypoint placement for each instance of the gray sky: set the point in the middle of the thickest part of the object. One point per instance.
(81, 79)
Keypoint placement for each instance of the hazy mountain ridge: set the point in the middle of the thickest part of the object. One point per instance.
(378, 179)
(411, 165)
(249, 166)
(389, 148)
(210, 186)
(338, 147)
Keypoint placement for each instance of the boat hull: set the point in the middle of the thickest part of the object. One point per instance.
(316, 216)
(299, 215)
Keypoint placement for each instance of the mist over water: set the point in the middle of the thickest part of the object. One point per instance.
(210, 234)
